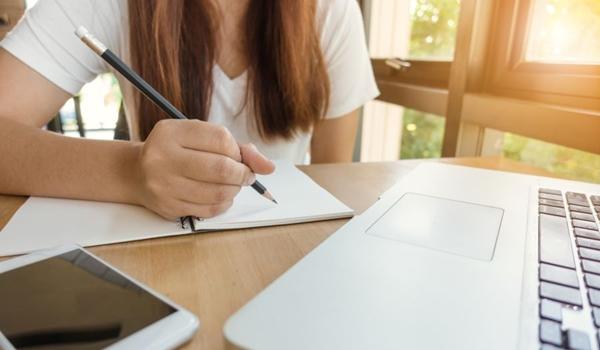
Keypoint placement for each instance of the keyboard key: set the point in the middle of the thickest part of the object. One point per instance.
(550, 333)
(576, 198)
(552, 197)
(578, 340)
(562, 294)
(582, 216)
(578, 208)
(550, 191)
(555, 241)
(592, 281)
(581, 232)
(595, 200)
(594, 297)
(591, 266)
(587, 243)
(589, 254)
(559, 275)
(597, 207)
(551, 203)
(585, 224)
(544, 209)
(551, 310)
(550, 347)
(596, 316)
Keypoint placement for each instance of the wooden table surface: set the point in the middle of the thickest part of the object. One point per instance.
(214, 274)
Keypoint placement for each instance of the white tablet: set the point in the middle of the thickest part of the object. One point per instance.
(67, 298)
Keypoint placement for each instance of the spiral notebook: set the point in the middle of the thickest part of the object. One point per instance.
(48, 222)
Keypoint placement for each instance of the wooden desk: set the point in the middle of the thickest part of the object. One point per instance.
(214, 274)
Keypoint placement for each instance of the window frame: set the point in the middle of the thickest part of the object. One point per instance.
(508, 73)
(490, 86)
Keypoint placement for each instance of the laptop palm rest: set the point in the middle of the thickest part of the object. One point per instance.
(461, 228)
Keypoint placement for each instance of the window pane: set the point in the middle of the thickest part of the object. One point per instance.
(562, 161)
(417, 29)
(565, 31)
(100, 101)
(422, 135)
(392, 132)
(433, 28)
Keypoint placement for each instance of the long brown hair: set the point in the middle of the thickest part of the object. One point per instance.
(173, 46)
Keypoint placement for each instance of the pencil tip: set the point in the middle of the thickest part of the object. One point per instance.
(269, 196)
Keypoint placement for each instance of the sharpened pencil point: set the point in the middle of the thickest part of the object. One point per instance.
(269, 196)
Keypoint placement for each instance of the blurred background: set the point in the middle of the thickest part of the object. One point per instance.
(561, 32)
(525, 81)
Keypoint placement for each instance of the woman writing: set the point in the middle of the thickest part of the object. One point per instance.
(263, 79)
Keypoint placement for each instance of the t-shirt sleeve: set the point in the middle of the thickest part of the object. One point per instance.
(44, 40)
(347, 58)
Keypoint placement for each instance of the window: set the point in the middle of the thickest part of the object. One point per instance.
(512, 78)
(554, 25)
(422, 135)
(420, 34)
(433, 29)
(99, 103)
(546, 51)
(560, 160)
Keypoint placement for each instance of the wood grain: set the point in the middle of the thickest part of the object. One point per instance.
(214, 274)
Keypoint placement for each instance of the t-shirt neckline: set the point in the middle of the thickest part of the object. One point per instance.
(241, 78)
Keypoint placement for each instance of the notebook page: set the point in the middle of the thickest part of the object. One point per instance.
(299, 199)
(49, 222)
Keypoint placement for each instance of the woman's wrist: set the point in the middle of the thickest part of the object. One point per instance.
(131, 174)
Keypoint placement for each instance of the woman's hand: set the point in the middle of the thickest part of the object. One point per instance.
(194, 168)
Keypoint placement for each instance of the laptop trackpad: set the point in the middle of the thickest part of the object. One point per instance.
(461, 228)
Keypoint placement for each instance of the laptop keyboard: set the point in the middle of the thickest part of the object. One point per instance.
(565, 218)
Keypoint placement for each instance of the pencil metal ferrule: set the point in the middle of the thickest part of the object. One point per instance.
(91, 41)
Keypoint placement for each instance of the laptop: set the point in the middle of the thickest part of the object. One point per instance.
(449, 258)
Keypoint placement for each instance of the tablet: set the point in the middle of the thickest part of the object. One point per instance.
(67, 298)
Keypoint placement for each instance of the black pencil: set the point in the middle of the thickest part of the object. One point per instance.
(137, 81)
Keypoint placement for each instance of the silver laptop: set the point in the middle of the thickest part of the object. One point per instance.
(449, 258)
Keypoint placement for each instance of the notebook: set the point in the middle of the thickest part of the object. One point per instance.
(48, 222)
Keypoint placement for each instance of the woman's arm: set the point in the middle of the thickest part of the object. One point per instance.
(36, 162)
(184, 167)
(333, 139)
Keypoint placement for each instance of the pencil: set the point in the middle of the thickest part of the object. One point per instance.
(111, 58)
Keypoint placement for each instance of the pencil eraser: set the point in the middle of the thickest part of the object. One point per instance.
(81, 32)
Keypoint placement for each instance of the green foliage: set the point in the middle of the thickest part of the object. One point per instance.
(421, 135)
(556, 159)
(433, 32)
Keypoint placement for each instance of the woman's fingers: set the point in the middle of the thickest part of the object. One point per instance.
(195, 168)
(202, 192)
(255, 160)
(179, 208)
(203, 210)
(203, 136)
(213, 168)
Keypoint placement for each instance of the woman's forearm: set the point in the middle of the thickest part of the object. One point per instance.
(41, 163)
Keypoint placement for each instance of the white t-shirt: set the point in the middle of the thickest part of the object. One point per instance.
(45, 41)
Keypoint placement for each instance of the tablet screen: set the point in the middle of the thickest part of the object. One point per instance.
(73, 301)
